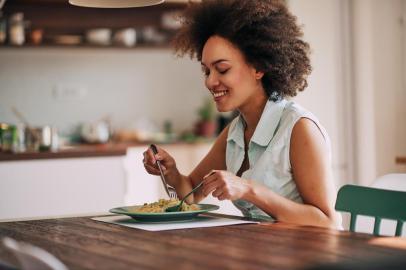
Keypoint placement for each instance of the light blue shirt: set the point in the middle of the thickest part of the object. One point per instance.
(268, 152)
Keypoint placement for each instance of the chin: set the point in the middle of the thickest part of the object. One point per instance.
(221, 108)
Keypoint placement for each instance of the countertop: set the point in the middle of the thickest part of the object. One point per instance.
(97, 150)
(84, 150)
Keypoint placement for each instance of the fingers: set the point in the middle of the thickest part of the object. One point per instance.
(149, 157)
(207, 189)
(209, 174)
(212, 183)
(151, 170)
(216, 183)
(210, 177)
(217, 192)
(149, 160)
(223, 196)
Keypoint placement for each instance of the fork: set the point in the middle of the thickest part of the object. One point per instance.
(172, 192)
(169, 190)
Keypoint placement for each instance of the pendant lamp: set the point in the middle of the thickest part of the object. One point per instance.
(115, 3)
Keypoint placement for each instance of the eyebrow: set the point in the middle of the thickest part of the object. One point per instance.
(215, 62)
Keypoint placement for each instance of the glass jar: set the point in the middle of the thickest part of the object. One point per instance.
(7, 137)
(17, 29)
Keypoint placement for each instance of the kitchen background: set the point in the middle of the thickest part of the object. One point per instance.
(357, 89)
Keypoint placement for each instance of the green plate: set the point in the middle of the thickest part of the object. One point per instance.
(166, 216)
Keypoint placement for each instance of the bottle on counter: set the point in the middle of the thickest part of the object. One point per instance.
(3, 142)
(54, 139)
(17, 29)
(18, 139)
(7, 137)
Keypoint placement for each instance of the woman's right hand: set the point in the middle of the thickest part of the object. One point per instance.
(168, 165)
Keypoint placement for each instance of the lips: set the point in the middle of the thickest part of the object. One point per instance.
(218, 94)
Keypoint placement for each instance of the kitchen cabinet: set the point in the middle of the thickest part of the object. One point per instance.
(82, 185)
(53, 187)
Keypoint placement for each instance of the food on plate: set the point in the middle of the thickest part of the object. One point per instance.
(161, 205)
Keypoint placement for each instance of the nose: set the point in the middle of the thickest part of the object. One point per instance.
(212, 81)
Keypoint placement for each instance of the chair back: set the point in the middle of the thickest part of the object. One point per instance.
(374, 202)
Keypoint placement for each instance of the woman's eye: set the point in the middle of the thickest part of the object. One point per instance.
(223, 71)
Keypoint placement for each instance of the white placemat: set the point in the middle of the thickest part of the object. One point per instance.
(198, 222)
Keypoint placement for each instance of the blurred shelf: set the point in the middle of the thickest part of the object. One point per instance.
(101, 150)
(84, 46)
(64, 2)
(57, 18)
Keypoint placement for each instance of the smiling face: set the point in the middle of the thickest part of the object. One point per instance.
(233, 83)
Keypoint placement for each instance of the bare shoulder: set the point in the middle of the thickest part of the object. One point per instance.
(309, 157)
(311, 166)
(306, 134)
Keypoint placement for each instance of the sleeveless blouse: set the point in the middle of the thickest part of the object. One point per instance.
(268, 152)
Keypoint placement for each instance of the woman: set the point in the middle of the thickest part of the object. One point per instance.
(273, 160)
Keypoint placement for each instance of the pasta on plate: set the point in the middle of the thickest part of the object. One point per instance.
(161, 205)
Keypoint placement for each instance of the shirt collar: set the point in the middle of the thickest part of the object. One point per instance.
(237, 133)
(267, 125)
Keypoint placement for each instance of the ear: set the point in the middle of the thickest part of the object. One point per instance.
(259, 75)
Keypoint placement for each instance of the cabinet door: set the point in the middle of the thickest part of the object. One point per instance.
(60, 187)
(141, 187)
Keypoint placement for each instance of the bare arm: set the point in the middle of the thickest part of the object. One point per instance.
(313, 176)
(311, 173)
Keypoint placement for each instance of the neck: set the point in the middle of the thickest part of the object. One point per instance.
(252, 111)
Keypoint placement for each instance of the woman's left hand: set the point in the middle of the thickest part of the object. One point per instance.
(224, 185)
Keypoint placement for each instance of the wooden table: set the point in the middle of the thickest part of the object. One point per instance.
(82, 243)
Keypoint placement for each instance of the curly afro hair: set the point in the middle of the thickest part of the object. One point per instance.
(263, 30)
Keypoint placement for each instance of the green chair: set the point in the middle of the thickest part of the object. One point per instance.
(378, 203)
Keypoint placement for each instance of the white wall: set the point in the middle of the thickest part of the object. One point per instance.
(363, 90)
(401, 94)
(387, 42)
(379, 87)
(322, 26)
(125, 84)
(357, 87)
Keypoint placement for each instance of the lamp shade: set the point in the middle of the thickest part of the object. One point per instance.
(115, 3)
(2, 2)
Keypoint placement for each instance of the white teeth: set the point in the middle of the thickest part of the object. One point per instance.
(219, 94)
